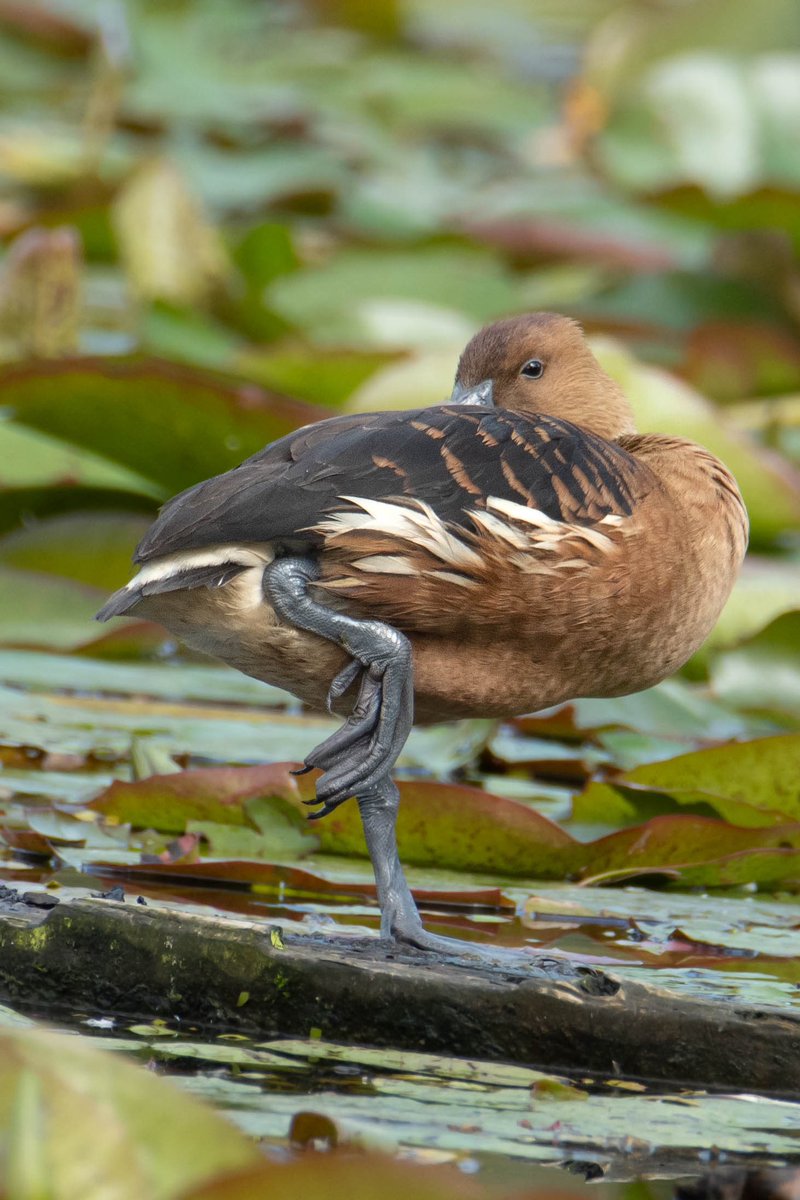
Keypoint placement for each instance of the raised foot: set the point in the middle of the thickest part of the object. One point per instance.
(358, 757)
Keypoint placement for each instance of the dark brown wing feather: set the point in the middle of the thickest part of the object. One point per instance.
(451, 457)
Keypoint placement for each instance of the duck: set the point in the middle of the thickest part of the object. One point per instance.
(514, 548)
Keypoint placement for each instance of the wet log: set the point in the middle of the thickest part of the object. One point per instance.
(217, 973)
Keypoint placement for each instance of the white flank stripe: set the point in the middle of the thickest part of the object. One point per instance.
(174, 564)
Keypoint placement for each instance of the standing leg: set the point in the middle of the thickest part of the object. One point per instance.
(399, 916)
(400, 920)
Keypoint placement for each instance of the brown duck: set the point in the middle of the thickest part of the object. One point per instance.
(514, 548)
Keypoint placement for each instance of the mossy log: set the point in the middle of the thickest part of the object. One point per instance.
(220, 973)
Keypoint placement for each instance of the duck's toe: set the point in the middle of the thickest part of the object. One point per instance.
(359, 755)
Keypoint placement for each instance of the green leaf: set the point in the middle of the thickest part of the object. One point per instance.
(172, 424)
(45, 611)
(750, 783)
(93, 548)
(766, 589)
(188, 336)
(29, 458)
(764, 674)
(673, 708)
(327, 379)
(165, 680)
(105, 1124)
(463, 279)
(215, 794)
(22, 505)
(462, 828)
(265, 252)
(281, 833)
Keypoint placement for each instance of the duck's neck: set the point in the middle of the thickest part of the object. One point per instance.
(600, 406)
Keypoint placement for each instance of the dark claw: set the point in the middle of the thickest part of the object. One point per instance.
(302, 771)
(325, 811)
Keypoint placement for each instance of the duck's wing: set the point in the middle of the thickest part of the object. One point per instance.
(450, 458)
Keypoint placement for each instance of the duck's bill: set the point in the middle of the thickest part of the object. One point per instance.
(480, 395)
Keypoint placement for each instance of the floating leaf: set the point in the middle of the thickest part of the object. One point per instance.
(30, 459)
(766, 589)
(45, 611)
(221, 794)
(289, 884)
(449, 825)
(751, 783)
(764, 674)
(462, 279)
(167, 680)
(673, 708)
(92, 549)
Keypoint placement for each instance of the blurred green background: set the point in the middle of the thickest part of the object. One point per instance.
(324, 200)
(223, 220)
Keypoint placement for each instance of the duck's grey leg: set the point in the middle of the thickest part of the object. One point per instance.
(400, 919)
(377, 729)
(357, 759)
(399, 916)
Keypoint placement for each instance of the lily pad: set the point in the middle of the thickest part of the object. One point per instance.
(752, 783)
(42, 610)
(220, 794)
(462, 279)
(94, 549)
(766, 589)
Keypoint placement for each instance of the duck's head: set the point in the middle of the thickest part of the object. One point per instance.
(540, 363)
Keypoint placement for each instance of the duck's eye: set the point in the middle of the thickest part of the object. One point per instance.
(533, 369)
